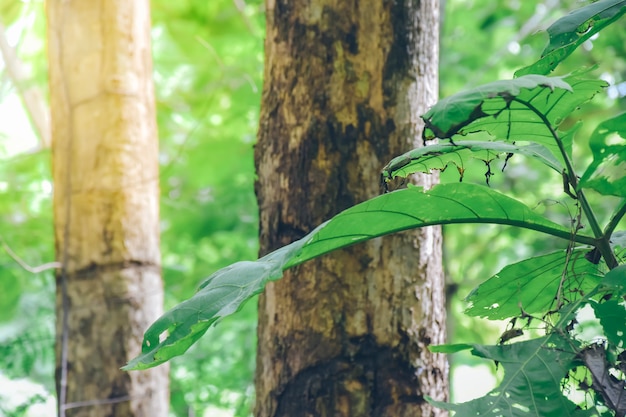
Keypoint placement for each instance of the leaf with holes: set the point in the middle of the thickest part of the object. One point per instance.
(529, 109)
(221, 294)
(607, 173)
(532, 285)
(531, 385)
(569, 32)
(440, 155)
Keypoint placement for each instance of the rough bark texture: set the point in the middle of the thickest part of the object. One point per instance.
(105, 205)
(347, 335)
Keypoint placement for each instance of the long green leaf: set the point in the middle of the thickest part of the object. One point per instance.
(221, 294)
(531, 386)
(411, 208)
(569, 32)
(533, 285)
(225, 291)
(440, 155)
(607, 172)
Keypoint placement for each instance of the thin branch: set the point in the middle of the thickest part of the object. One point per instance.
(615, 219)
(31, 269)
(91, 403)
(33, 100)
(108, 401)
(576, 226)
(241, 7)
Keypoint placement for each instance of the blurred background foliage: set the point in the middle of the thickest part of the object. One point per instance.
(208, 67)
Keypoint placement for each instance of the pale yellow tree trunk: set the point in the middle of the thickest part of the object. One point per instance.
(346, 335)
(106, 201)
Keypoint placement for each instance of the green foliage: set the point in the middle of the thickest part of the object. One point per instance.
(612, 317)
(208, 66)
(539, 373)
(451, 115)
(26, 300)
(413, 207)
(608, 145)
(225, 291)
(569, 32)
(615, 280)
(222, 294)
(533, 283)
(529, 108)
(550, 289)
(532, 380)
(440, 156)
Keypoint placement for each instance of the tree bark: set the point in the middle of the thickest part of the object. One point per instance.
(105, 171)
(346, 335)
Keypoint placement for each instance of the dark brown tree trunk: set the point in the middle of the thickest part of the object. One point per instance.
(346, 335)
(106, 206)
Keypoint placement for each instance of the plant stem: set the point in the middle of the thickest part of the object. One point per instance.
(601, 240)
(615, 219)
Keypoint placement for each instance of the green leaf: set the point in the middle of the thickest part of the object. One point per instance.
(612, 316)
(412, 208)
(529, 108)
(451, 115)
(569, 32)
(440, 155)
(531, 385)
(615, 280)
(221, 294)
(607, 173)
(533, 285)
(225, 291)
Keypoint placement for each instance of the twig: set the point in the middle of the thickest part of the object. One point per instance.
(91, 403)
(615, 219)
(241, 7)
(576, 226)
(31, 269)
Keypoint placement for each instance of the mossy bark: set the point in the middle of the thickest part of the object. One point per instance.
(346, 335)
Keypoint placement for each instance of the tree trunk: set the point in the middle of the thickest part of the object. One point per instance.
(346, 335)
(106, 197)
